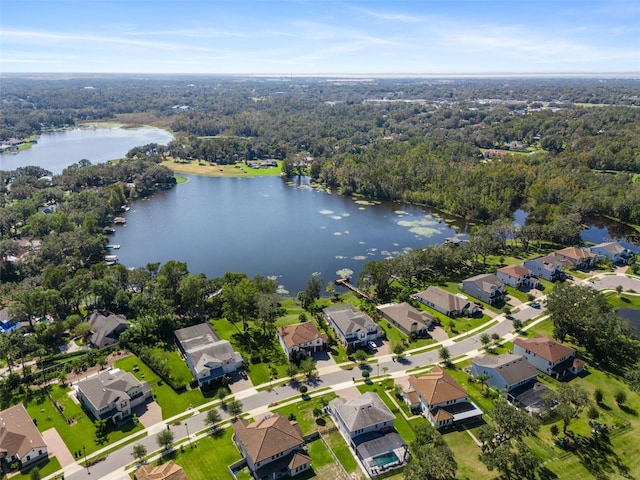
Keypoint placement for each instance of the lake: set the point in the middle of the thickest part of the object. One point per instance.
(57, 150)
(632, 315)
(261, 226)
(272, 227)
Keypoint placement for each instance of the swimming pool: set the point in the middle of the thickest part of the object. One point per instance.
(383, 460)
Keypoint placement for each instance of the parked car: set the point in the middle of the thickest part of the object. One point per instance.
(535, 304)
(373, 347)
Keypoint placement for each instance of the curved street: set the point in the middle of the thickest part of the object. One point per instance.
(256, 402)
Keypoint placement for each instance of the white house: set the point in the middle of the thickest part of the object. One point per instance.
(504, 372)
(208, 357)
(613, 251)
(548, 267)
(517, 276)
(353, 328)
(548, 356)
(20, 440)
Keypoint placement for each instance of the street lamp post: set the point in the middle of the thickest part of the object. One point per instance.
(84, 451)
(188, 438)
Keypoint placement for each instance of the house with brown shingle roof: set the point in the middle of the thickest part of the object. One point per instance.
(166, 471)
(517, 276)
(406, 318)
(578, 258)
(272, 446)
(20, 440)
(440, 399)
(301, 339)
(547, 355)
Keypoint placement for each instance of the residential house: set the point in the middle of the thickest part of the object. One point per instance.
(367, 425)
(272, 446)
(353, 328)
(167, 471)
(486, 287)
(407, 318)
(20, 440)
(578, 258)
(106, 329)
(548, 356)
(517, 276)
(445, 302)
(301, 339)
(504, 372)
(547, 267)
(208, 357)
(613, 251)
(440, 399)
(112, 394)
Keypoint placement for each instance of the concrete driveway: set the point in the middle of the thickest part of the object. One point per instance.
(148, 413)
(57, 448)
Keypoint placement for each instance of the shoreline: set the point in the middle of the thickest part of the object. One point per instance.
(205, 169)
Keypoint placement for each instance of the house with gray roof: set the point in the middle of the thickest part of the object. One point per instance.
(112, 394)
(353, 328)
(406, 318)
(576, 257)
(20, 440)
(517, 276)
(367, 425)
(504, 372)
(486, 287)
(445, 302)
(614, 251)
(106, 329)
(547, 267)
(208, 357)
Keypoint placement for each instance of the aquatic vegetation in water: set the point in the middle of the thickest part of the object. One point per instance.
(335, 217)
(359, 257)
(344, 272)
(366, 202)
(337, 234)
(326, 212)
(422, 227)
(401, 212)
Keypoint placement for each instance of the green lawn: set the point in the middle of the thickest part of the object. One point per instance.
(82, 430)
(341, 451)
(303, 412)
(401, 424)
(49, 466)
(209, 458)
(171, 402)
(466, 453)
(178, 367)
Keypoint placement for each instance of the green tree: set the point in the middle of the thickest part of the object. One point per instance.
(165, 439)
(34, 474)
(308, 367)
(139, 452)
(444, 355)
(311, 293)
(234, 407)
(360, 356)
(212, 418)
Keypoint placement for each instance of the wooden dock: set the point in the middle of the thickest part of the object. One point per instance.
(345, 283)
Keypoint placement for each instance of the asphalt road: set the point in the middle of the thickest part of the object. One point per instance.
(112, 467)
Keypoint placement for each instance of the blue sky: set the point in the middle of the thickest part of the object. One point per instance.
(419, 37)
